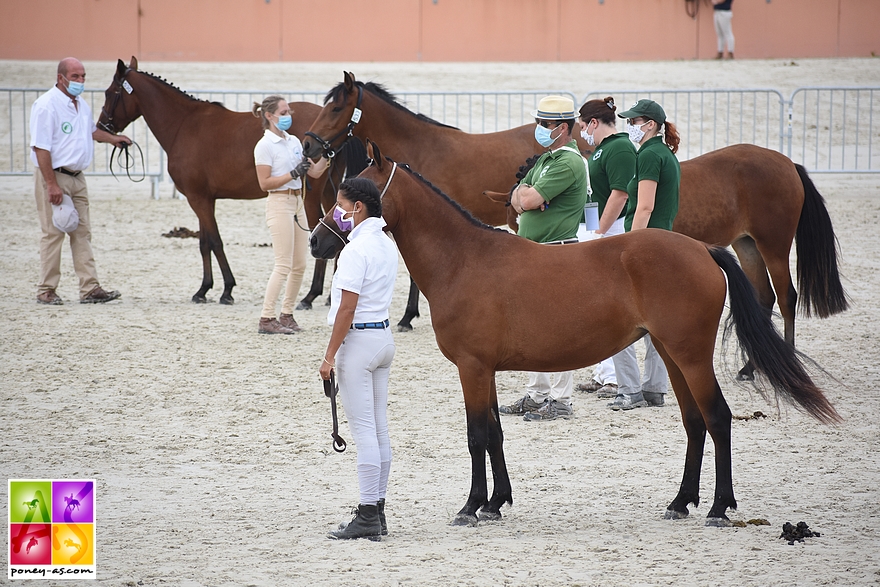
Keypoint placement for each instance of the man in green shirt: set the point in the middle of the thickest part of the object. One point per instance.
(550, 200)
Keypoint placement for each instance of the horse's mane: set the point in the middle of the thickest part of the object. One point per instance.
(164, 81)
(467, 215)
(381, 92)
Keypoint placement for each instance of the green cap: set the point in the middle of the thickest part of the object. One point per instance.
(647, 108)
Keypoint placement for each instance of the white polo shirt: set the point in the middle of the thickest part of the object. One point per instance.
(367, 267)
(65, 131)
(281, 154)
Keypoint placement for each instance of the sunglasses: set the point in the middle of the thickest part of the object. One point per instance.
(547, 123)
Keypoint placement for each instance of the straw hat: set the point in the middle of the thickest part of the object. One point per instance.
(555, 108)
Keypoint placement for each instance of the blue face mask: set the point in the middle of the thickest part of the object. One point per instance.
(543, 136)
(74, 88)
(284, 122)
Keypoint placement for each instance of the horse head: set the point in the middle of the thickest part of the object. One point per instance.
(327, 239)
(336, 120)
(504, 198)
(120, 107)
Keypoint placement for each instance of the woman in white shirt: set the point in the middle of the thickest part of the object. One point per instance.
(280, 169)
(361, 346)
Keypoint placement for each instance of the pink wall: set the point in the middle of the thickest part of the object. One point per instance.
(429, 30)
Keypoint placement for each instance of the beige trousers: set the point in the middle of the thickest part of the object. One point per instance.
(52, 238)
(289, 242)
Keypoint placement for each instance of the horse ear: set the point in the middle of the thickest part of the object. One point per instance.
(120, 68)
(134, 63)
(374, 154)
(349, 81)
(499, 197)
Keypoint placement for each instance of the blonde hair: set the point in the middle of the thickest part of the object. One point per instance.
(269, 105)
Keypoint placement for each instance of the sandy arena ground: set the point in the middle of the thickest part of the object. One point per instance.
(210, 443)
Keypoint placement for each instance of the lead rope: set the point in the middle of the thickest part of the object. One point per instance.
(129, 161)
(330, 390)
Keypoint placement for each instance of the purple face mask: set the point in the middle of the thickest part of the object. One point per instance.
(344, 224)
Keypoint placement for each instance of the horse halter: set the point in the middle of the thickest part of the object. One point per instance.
(120, 84)
(327, 145)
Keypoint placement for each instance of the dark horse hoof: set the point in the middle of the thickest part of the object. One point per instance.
(718, 522)
(401, 327)
(488, 516)
(304, 305)
(227, 300)
(197, 299)
(464, 520)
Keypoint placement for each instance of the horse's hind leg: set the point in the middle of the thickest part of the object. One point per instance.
(501, 492)
(753, 266)
(209, 241)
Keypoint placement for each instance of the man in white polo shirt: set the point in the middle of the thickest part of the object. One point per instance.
(62, 131)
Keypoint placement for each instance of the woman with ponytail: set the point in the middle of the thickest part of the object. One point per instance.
(361, 346)
(280, 167)
(652, 203)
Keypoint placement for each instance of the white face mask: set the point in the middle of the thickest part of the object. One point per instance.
(636, 134)
(591, 140)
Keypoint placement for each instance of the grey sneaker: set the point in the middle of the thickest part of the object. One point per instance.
(654, 399)
(523, 406)
(628, 402)
(607, 391)
(551, 410)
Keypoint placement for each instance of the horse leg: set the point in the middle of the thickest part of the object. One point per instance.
(412, 308)
(209, 241)
(317, 285)
(753, 266)
(501, 492)
(476, 382)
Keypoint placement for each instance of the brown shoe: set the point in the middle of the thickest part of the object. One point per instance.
(99, 296)
(50, 298)
(273, 326)
(287, 321)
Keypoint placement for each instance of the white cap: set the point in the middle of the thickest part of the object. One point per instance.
(64, 215)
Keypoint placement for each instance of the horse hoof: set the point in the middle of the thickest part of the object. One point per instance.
(197, 299)
(404, 327)
(674, 515)
(227, 300)
(487, 516)
(718, 522)
(464, 520)
(304, 305)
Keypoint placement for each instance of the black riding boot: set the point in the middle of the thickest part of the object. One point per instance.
(381, 505)
(364, 525)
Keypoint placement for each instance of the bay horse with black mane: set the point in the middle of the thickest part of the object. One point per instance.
(211, 156)
(656, 282)
(749, 197)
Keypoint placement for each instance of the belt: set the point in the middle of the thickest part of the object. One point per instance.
(366, 325)
(568, 241)
(289, 191)
(67, 171)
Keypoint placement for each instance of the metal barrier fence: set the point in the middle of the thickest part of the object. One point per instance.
(828, 130)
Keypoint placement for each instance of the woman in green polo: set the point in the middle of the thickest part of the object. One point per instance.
(652, 203)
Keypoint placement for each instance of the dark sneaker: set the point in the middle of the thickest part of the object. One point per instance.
(523, 406)
(628, 402)
(590, 387)
(99, 296)
(654, 399)
(607, 391)
(287, 321)
(551, 410)
(50, 298)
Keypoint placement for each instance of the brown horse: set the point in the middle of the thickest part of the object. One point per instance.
(210, 154)
(459, 163)
(657, 282)
(757, 201)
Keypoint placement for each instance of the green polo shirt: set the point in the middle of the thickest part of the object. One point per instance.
(656, 162)
(561, 179)
(612, 166)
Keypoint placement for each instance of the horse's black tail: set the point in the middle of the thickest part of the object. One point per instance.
(818, 278)
(761, 344)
